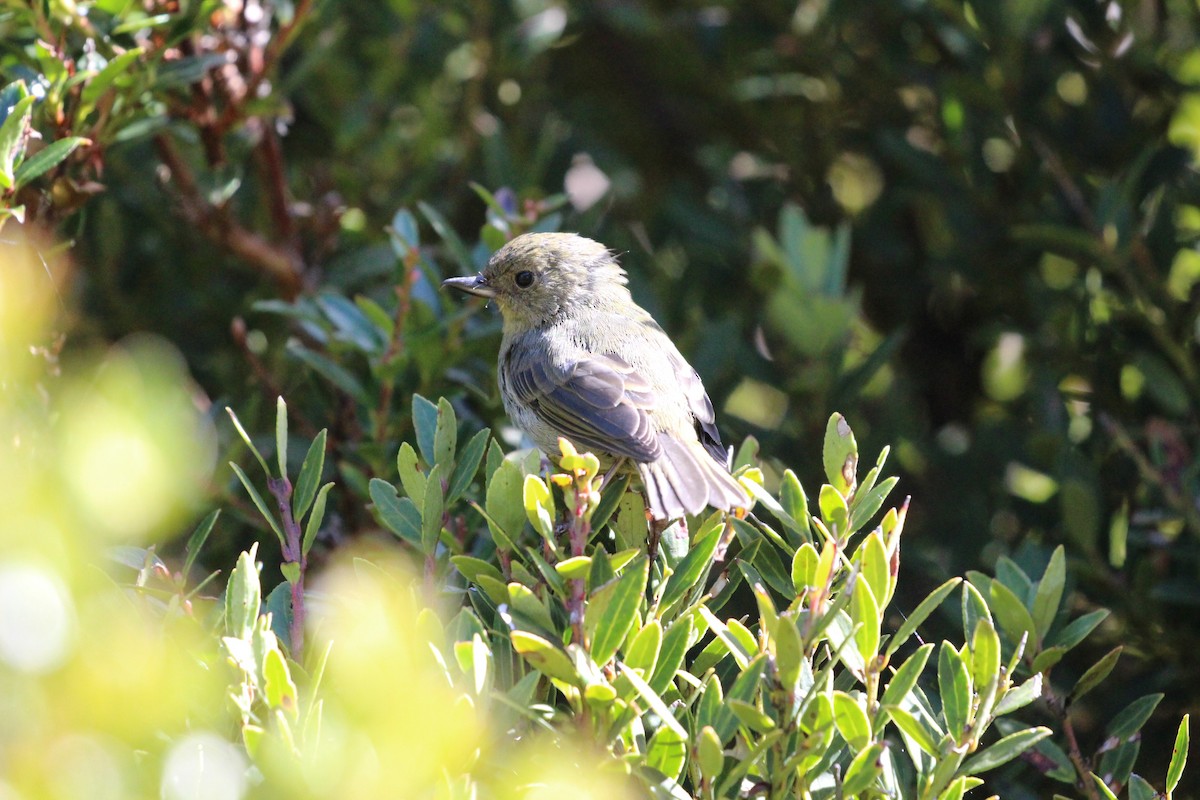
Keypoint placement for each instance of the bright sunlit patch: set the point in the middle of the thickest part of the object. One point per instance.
(134, 450)
(80, 766)
(1005, 373)
(204, 767)
(36, 619)
(758, 403)
(585, 183)
(1028, 483)
(856, 181)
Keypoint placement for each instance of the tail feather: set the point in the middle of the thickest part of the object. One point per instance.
(686, 479)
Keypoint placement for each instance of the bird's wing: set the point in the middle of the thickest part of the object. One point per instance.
(600, 403)
(701, 408)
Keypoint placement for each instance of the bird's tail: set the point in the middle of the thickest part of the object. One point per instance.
(686, 479)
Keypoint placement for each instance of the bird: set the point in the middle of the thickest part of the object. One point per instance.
(580, 359)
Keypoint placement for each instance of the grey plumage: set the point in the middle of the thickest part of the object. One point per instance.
(580, 359)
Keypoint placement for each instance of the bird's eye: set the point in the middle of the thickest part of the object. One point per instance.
(524, 279)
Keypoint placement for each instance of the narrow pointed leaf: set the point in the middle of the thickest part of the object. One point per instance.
(1096, 674)
(921, 613)
(613, 609)
(1005, 750)
(1049, 593)
(310, 477)
(259, 503)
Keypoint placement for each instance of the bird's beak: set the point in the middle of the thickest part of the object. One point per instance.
(471, 284)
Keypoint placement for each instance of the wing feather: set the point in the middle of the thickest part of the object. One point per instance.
(599, 403)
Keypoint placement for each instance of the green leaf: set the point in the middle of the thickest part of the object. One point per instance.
(432, 510)
(103, 79)
(693, 566)
(522, 601)
(539, 506)
(866, 504)
(750, 716)
(794, 502)
(1096, 674)
(643, 650)
(864, 614)
(1131, 718)
(913, 727)
(411, 476)
(310, 476)
(545, 657)
(1011, 613)
(629, 528)
(610, 500)
(575, 568)
(863, 771)
(313, 526)
(47, 159)
(840, 454)
(734, 644)
(237, 424)
(505, 504)
(789, 652)
(1004, 750)
(468, 465)
(974, 607)
(14, 133)
(331, 371)
(195, 542)
(834, 511)
(449, 237)
(710, 708)
(710, 754)
(1179, 756)
(667, 751)
(921, 613)
(652, 699)
(1103, 787)
(959, 787)
(876, 567)
(954, 687)
(471, 568)
(1139, 789)
(1047, 659)
(243, 595)
(1021, 696)
(281, 436)
(1078, 629)
(445, 440)
(907, 675)
(278, 688)
(399, 514)
(804, 568)
(1049, 593)
(425, 422)
(259, 503)
(612, 610)
(985, 653)
(676, 641)
(851, 721)
(404, 232)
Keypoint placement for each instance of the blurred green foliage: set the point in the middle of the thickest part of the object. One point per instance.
(970, 226)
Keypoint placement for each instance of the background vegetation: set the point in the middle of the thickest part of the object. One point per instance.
(969, 227)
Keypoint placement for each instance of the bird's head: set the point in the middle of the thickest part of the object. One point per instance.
(539, 276)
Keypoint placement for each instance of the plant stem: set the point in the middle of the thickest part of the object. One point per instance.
(293, 553)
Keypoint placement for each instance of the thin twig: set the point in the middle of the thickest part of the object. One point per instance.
(281, 265)
(1174, 498)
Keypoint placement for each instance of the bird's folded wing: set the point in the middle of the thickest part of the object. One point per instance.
(599, 404)
(700, 406)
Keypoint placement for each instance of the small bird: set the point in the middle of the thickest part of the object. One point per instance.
(581, 360)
